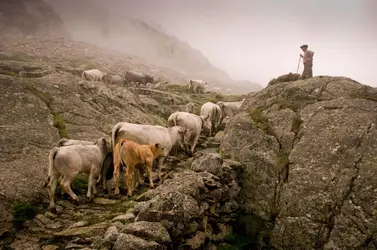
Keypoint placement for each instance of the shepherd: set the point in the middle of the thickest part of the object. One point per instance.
(308, 62)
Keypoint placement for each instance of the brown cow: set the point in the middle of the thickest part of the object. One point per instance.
(132, 154)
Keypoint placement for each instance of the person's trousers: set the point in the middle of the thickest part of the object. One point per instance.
(308, 70)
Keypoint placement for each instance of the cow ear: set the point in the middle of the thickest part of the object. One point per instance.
(157, 145)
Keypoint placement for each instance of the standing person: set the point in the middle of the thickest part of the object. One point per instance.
(308, 62)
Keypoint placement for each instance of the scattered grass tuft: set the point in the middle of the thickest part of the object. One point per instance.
(177, 88)
(250, 232)
(44, 96)
(261, 121)
(16, 57)
(282, 159)
(282, 165)
(8, 73)
(296, 124)
(21, 213)
(80, 184)
(59, 123)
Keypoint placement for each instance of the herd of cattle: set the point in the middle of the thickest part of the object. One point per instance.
(196, 86)
(131, 146)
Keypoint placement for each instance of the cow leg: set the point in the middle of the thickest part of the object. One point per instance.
(99, 179)
(160, 162)
(210, 128)
(116, 177)
(129, 179)
(52, 188)
(193, 145)
(66, 186)
(94, 172)
(103, 176)
(149, 164)
(117, 165)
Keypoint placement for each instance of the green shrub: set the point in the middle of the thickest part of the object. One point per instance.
(282, 159)
(59, 123)
(22, 212)
(250, 232)
(80, 184)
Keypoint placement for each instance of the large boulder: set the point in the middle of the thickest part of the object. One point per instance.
(148, 230)
(130, 242)
(309, 150)
(189, 204)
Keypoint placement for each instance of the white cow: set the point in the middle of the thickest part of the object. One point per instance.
(211, 114)
(69, 161)
(68, 142)
(93, 75)
(145, 134)
(197, 86)
(228, 109)
(191, 122)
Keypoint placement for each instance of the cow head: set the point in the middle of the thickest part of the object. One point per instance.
(207, 121)
(158, 151)
(103, 145)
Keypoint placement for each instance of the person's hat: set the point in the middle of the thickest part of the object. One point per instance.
(304, 46)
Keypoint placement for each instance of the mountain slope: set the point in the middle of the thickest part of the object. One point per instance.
(91, 21)
(31, 18)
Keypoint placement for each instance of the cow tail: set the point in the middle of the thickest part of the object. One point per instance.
(114, 133)
(122, 162)
(175, 120)
(51, 158)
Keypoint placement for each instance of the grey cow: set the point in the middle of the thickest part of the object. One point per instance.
(140, 78)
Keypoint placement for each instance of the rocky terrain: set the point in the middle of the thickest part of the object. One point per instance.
(44, 96)
(30, 18)
(309, 151)
(293, 170)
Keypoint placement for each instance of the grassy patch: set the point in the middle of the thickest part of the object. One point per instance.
(282, 164)
(261, 121)
(177, 88)
(282, 103)
(8, 73)
(16, 57)
(22, 212)
(59, 123)
(282, 159)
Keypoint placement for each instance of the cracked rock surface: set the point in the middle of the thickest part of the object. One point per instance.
(309, 150)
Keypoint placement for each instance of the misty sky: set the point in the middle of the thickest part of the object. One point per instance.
(259, 40)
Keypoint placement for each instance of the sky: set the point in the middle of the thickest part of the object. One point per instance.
(259, 40)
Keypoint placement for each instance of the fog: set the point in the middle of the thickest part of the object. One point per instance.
(259, 40)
